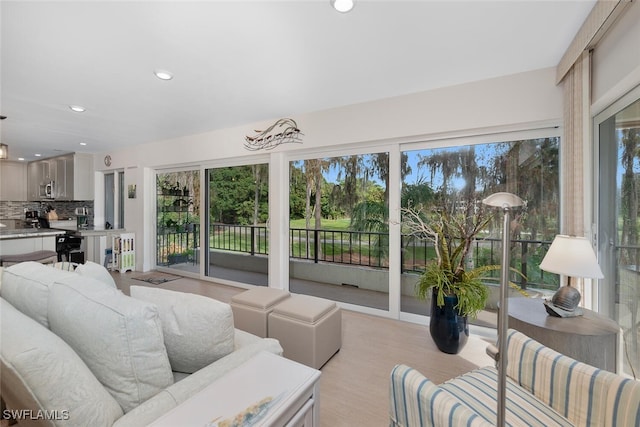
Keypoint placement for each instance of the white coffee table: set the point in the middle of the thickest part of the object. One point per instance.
(267, 390)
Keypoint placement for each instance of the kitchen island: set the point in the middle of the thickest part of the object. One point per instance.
(25, 240)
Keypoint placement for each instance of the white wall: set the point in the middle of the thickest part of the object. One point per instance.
(514, 102)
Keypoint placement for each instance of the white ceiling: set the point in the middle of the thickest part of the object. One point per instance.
(238, 62)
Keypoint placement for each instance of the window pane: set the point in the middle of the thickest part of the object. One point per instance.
(109, 201)
(238, 206)
(178, 223)
(619, 227)
(338, 230)
(458, 179)
(121, 223)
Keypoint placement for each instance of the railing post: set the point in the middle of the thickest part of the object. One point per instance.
(523, 269)
(253, 240)
(316, 244)
(401, 253)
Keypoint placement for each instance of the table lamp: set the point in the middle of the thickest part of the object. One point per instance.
(573, 257)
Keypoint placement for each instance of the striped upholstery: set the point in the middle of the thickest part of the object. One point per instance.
(544, 388)
(585, 395)
(478, 390)
(416, 401)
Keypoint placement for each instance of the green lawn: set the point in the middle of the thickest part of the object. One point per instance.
(327, 224)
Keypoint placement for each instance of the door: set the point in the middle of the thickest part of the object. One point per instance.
(619, 225)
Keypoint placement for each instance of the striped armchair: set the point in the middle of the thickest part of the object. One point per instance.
(544, 388)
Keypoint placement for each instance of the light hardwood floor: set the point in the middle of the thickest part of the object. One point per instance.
(354, 383)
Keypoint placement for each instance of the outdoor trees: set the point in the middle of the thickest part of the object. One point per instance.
(239, 195)
(630, 144)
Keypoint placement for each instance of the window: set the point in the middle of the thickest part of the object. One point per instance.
(338, 228)
(114, 199)
(109, 199)
(458, 178)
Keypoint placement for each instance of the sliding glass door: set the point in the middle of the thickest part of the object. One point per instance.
(178, 220)
(339, 229)
(237, 224)
(619, 224)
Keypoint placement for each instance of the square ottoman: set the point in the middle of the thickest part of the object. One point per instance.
(308, 328)
(251, 308)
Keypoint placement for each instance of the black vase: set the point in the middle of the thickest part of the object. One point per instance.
(448, 328)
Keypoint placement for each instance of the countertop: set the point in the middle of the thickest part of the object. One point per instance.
(23, 233)
(98, 231)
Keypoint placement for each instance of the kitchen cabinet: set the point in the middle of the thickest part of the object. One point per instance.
(39, 173)
(13, 181)
(72, 175)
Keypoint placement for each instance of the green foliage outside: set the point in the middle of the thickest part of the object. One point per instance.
(350, 194)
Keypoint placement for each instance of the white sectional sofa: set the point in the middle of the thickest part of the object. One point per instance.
(544, 388)
(75, 351)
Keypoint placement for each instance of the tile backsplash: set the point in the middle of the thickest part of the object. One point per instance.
(15, 210)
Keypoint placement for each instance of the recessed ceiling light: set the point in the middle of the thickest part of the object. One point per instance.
(37, 154)
(163, 74)
(342, 6)
(83, 143)
(77, 108)
(21, 159)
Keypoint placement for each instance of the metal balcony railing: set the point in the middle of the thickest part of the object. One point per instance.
(360, 248)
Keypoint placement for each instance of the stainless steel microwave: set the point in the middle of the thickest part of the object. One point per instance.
(47, 190)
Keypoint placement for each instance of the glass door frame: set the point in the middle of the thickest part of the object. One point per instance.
(604, 303)
(205, 169)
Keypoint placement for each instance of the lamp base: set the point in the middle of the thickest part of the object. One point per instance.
(555, 311)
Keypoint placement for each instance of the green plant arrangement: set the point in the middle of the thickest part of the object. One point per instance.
(451, 273)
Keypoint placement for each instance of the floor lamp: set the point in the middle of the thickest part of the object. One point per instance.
(506, 202)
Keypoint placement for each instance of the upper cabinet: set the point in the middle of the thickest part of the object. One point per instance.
(13, 181)
(68, 177)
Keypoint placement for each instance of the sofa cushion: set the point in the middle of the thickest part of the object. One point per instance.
(118, 337)
(197, 330)
(580, 392)
(41, 372)
(478, 390)
(417, 401)
(179, 392)
(96, 271)
(26, 287)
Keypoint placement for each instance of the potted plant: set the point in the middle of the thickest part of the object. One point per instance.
(455, 285)
(178, 258)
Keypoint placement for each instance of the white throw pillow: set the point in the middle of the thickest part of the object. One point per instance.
(118, 337)
(197, 330)
(97, 271)
(26, 287)
(51, 373)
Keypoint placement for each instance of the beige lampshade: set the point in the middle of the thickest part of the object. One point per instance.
(572, 256)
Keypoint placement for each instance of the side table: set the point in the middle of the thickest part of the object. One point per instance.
(267, 390)
(590, 338)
